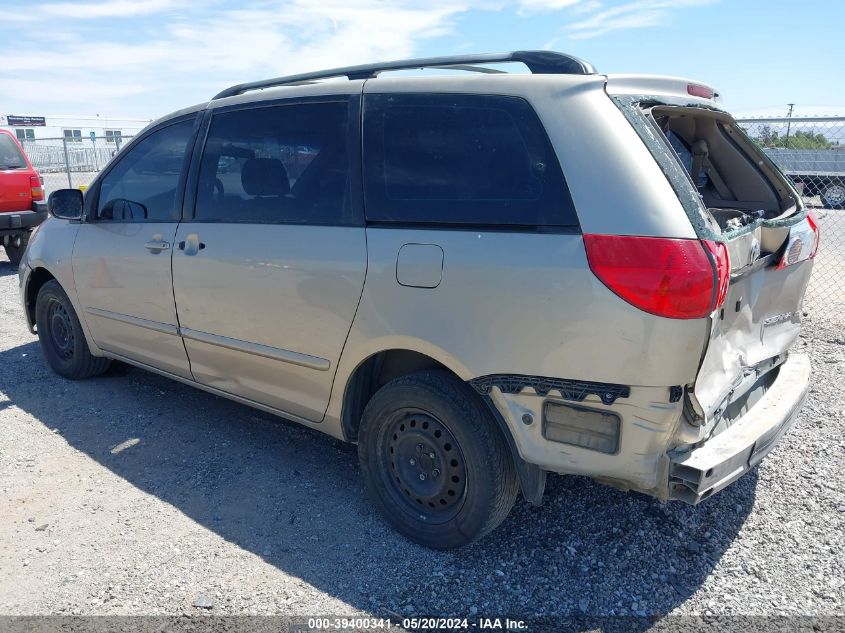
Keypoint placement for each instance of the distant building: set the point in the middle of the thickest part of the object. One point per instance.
(69, 144)
(74, 128)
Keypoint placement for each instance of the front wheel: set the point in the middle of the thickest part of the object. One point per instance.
(61, 335)
(434, 461)
(833, 195)
(15, 248)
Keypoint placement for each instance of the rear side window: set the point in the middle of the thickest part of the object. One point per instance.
(285, 164)
(481, 160)
(10, 154)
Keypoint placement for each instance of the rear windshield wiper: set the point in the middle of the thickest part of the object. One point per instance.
(12, 167)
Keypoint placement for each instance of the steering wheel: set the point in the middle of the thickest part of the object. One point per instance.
(217, 190)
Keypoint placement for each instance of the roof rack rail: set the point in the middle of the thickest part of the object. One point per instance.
(538, 62)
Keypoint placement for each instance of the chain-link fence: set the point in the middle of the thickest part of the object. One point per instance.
(71, 162)
(811, 152)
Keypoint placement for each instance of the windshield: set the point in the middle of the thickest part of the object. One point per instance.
(10, 155)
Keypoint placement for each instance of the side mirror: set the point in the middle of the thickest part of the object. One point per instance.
(65, 204)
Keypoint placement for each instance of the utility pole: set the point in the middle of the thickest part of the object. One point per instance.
(788, 124)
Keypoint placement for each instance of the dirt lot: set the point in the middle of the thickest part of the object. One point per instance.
(131, 494)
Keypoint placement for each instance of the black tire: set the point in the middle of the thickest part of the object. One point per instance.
(463, 492)
(61, 335)
(15, 253)
(833, 195)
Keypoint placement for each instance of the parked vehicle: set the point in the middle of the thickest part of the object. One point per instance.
(22, 204)
(478, 279)
(815, 172)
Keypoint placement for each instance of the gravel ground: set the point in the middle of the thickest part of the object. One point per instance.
(133, 494)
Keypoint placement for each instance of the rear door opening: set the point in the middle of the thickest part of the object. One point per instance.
(747, 204)
(736, 183)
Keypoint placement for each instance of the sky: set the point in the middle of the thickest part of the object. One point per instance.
(147, 58)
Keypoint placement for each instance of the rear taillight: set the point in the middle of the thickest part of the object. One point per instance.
(36, 190)
(813, 221)
(803, 241)
(674, 278)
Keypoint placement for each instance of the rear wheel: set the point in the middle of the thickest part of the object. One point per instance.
(434, 461)
(61, 336)
(833, 195)
(15, 248)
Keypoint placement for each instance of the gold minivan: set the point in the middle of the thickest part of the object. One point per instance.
(478, 277)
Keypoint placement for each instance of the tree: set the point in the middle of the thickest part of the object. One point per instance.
(797, 140)
(768, 137)
(805, 140)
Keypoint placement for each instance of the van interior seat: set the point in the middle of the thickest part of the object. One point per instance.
(266, 180)
(265, 177)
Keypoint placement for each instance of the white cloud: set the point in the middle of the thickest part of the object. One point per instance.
(631, 15)
(158, 55)
(199, 52)
(70, 91)
(588, 6)
(537, 6)
(106, 8)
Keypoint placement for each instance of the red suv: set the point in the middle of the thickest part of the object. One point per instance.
(22, 204)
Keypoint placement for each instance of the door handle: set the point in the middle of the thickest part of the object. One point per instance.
(182, 245)
(156, 246)
(191, 244)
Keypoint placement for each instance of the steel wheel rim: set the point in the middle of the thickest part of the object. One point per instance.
(61, 330)
(423, 467)
(835, 194)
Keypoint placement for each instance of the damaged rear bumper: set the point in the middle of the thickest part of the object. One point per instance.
(721, 460)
